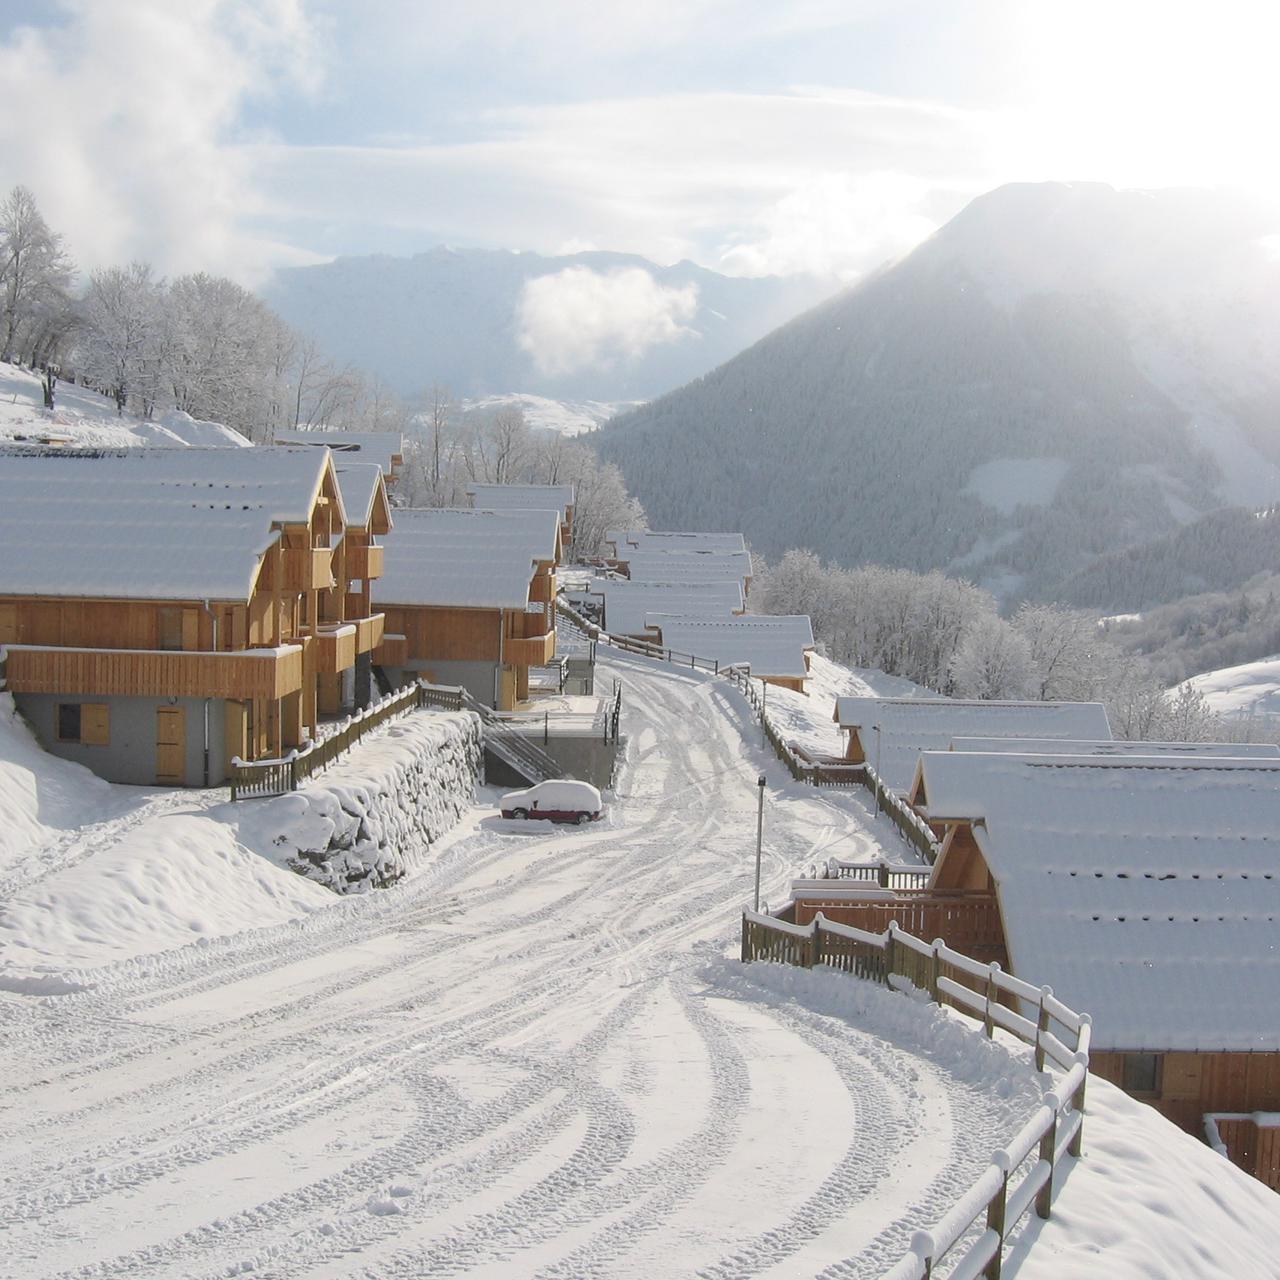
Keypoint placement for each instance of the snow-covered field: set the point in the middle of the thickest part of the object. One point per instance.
(1244, 692)
(565, 417)
(84, 418)
(535, 1057)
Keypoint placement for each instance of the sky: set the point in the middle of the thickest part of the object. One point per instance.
(754, 137)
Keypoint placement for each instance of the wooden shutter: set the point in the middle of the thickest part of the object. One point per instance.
(171, 746)
(190, 629)
(95, 724)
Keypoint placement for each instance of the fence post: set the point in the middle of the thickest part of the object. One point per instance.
(995, 1214)
(889, 948)
(815, 941)
(936, 970)
(1077, 1102)
(1042, 1025)
(293, 774)
(1048, 1149)
(746, 950)
(988, 1022)
(922, 1245)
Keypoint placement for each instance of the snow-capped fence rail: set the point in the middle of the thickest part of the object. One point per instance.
(971, 1235)
(275, 777)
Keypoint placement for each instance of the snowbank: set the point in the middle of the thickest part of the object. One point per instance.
(1249, 690)
(39, 794)
(367, 821)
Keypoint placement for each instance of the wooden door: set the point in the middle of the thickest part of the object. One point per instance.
(171, 746)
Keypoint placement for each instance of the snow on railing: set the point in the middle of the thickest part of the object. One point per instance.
(276, 776)
(1020, 1175)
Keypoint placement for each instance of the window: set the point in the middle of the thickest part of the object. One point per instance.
(1141, 1073)
(88, 723)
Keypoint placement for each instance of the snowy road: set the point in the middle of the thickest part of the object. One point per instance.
(532, 1059)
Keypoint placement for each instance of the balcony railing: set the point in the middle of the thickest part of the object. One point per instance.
(542, 590)
(536, 651)
(308, 569)
(155, 673)
(369, 632)
(364, 562)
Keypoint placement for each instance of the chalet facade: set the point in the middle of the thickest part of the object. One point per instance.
(890, 733)
(164, 611)
(469, 599)
(1144, 889)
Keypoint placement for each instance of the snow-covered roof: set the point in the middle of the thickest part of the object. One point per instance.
(1117, 747)
(673, 540)
(465, 559)
(774, 645)
(364, 494)
(1145, 890)
(516, 497)
(149, 524)
(379, 447)
(628, 606)
(686, 566)
(909, 726)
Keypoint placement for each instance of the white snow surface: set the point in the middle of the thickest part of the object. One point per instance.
(1133, 886)
(1115, 747)
(376, 447)
(521, 497)
(156, 524)
(773, 645)
(908, 726)
(85, 419)
(565, 417)
(629, 606)
(464, 559)
(1249, 690)
(533, 1058)
(672, 540)
(1009, 483)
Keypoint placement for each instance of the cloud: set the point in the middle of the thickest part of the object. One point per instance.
(123, 117)
(580, 319)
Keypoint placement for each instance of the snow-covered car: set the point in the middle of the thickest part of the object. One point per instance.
(558, 799)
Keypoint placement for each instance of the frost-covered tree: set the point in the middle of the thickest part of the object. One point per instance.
(120, 348)
(992, 661)
(35, 272)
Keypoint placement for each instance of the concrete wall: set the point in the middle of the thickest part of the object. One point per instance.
(477, 678)
(130, 755)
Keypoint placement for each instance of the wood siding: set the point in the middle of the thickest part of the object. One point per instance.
(1253, 1147)
(968, 923)
(446, 635)
(157, 673)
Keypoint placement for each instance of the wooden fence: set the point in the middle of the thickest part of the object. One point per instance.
(971, 1235)
(255, 778)
(801, 767)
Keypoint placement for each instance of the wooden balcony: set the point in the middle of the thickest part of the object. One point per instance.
(364, 562)
(308, 569)
(535, 651)
(542, 590)
(156, 673)
(369, 632)
(393, 651)
(336, 648)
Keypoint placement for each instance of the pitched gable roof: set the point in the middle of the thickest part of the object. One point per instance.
(465, 559)
(364, 496)
(629, 607)
(151, 524)
(518, 497)
(672, 540)
(773, 645)
(377, 447)
(1144, 889)
(1117, 747)
(911, 725)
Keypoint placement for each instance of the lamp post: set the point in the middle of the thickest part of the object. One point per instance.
(759, 834)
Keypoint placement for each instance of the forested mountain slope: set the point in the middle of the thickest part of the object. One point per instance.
(583, 326)
(1061, 371)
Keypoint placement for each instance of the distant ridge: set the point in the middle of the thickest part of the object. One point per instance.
(1061, 371)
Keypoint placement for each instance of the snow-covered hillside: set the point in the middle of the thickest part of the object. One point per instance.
(82, 417)
(564, 417)
(1249, 691)
(534, 1056)
(1063, 370)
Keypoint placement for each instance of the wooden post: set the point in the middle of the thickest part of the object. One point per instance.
(1048, 1146)
(936, 970)
(1042, 1025)
(815, 941)
(746, 950)
(889, 949)
(988, 1022)
(1077, 1139)
(995, 1214)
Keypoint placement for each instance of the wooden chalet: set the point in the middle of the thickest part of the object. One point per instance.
(164, 611)
(384, 449)
(890, 733)
(775, 647)
(1144, 889)
(469, 599)
(528, 497)
(620, 543)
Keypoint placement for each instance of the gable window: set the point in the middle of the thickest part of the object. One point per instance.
(1141, 1073)
(85, 722)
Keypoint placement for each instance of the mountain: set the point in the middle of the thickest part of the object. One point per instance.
(1061, 371)
(1219, 552)
(581, 327)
